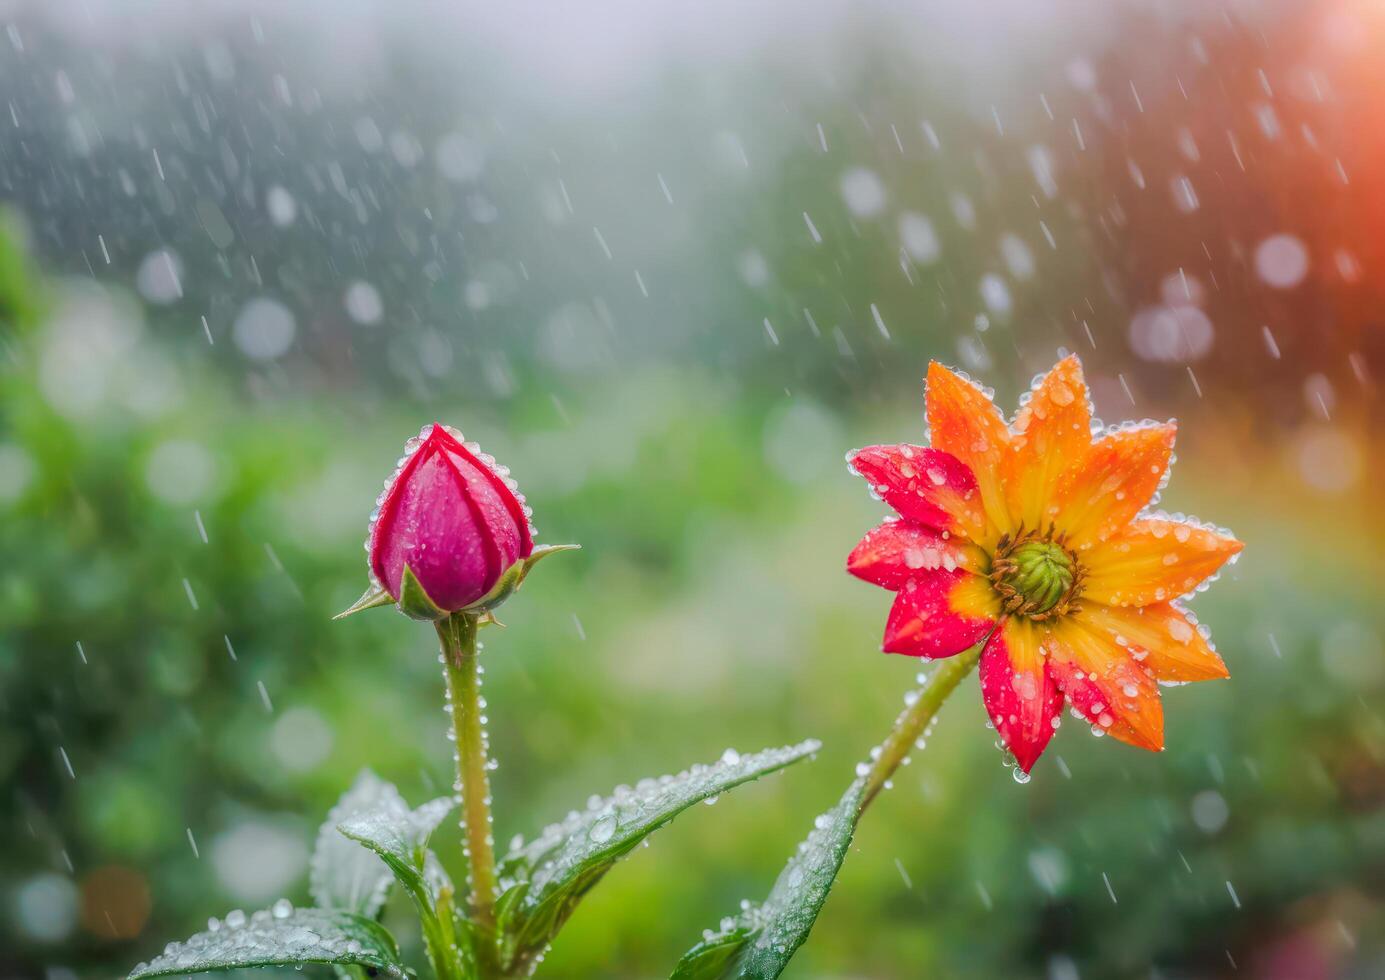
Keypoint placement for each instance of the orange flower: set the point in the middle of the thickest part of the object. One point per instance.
(1032, 537)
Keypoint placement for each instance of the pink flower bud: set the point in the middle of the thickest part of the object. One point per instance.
(451, 515)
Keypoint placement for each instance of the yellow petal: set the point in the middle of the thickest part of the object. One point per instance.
(975, 597)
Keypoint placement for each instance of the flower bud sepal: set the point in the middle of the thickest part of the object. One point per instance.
(514, 576)
(415, 602)
(374, 596)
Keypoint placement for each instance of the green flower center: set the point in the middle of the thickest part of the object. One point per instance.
(1035, 577)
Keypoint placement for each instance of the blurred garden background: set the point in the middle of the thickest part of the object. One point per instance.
(670, 264)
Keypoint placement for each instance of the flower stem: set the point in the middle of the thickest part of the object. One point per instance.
(463, 669)
(915, 718)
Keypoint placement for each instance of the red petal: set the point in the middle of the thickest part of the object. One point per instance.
(938, 614)
(511, 502)
(383, 526)
(896, 551)
(924, 485)
(1019, 693)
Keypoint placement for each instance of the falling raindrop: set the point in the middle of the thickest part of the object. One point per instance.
(863, 192)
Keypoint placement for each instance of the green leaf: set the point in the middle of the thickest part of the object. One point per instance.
(282, 936)
(760, 941)
(399, 837)
(543, 881)
(343, 874)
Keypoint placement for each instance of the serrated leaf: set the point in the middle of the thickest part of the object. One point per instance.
(399, 837)
(343, 874)
(543, 881)
(759, 942)
(281, 937)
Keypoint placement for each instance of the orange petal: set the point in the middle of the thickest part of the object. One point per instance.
(1117, 478)
(963, 421)
(1050, 436)
(1160, 637)
(1019, 693)
(1103, 682)
(1154, 560)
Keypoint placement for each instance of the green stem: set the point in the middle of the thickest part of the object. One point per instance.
(915, 718)
(463, 668)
